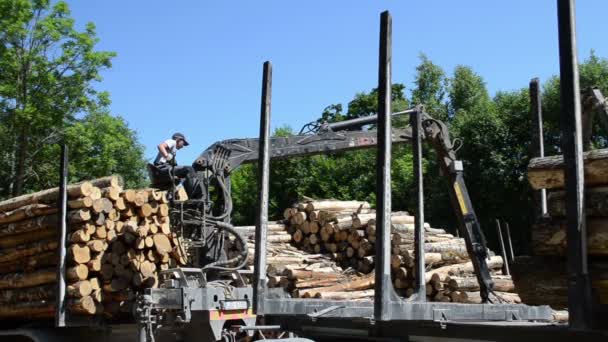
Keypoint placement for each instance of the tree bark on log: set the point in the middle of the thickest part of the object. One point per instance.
(497, 297)
(30, 263)
(114, 181)
(38, 309)
(596, 203)
(46, 196)
(32, 294)
(470, 283)
(335, 205)
(43, 222)
(549, 238)
(548, 172)
(24, 251)
(11, 241)
(20, 280)
(338, 295)
(541, 281)
(356, 284)
(27, 211)
(494, 262)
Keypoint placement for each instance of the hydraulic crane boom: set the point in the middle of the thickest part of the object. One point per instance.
(221, 158)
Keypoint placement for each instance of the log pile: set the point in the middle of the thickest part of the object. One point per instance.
(332, 255)
(117, 242)
(549, 243)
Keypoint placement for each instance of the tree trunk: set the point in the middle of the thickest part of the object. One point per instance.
(27, 211)
(496, 296)
(470, 283)
(338, 295)
(46, 196)
(334, 205)
(356, 284)
(30, 263)
(11, 241)
(596, 203)
(20, 280)
(32, 294)
(24, 251)
(494, 262)
(549, 238)
(22, 148)
(29, 310)
(548, 172)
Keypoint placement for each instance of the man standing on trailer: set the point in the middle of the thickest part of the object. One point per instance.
(165, 162)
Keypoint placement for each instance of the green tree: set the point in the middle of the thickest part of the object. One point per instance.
(467, 91)
(365, 104)
(430, 88)
(102, 144)
(47, 69)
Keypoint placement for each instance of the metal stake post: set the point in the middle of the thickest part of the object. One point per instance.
(579, 290)
(510, 243)
(538, 146)
(383, 175)
(420, 287)
(503, 251)
(62, 202)
(263, 188)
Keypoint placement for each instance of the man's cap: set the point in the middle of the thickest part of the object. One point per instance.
(180, 136)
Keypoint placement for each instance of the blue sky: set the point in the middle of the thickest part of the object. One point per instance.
(195, 66)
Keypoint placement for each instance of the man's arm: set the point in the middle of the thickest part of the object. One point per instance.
(162, 148)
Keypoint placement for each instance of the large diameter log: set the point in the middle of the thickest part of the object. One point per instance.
(20, 280)
(30, 263)
(306, 274)
(79, 253)
(43, 222)
(339, 295)
(356, 284)
(494, 262)
(24, 251)
(36, 293)
(30, 309)
(46, 196)
(548, 172)
(549, 238)
(83, 202)
(79, 289)
(15, 240)
(162, 243)
(541, 280)
(470, 283)
(27, 211)
(495, 296)
(335, 205)
(596, 202)
(114, 181)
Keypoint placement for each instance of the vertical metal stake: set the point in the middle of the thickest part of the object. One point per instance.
(383, 174)
(510, 244)
(579, 289)
(420, 287)
(62, 202)
(538, 145)
(263, 188)
(503, 252)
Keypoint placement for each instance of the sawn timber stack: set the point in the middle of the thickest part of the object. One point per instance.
(118, 240)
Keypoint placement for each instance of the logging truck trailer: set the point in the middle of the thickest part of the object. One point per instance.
(212, 301)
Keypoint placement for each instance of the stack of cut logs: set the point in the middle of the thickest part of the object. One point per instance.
(334, 258)
(117, 242)
(543, 277)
